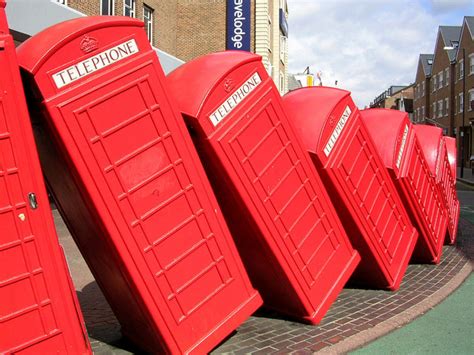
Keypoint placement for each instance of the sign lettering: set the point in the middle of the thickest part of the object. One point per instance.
(337, 131)
(235, 98)
(402, 147)
(238, 24)
(92, 64)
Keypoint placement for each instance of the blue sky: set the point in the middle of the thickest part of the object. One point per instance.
(367, 45)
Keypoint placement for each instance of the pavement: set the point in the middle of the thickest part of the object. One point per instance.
(447, 329)
(354, 321)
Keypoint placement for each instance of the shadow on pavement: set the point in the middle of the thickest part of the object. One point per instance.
(102, 325)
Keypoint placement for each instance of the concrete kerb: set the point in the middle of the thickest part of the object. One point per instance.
(466, 181)
(369, 335)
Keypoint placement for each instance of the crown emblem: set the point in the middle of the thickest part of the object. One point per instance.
(331, 120)
(228, 85)
(89, 44)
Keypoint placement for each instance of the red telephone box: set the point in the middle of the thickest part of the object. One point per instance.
(401, 152)
(451, 151)
(287, 231)
(39, 312)
(129, 183)
(452, 154)
(370, 208)
(434, 147)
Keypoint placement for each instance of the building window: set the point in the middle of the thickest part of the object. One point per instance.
(107, 7)
(434, 109)
(269, 68)
(270, 33)
(446, 77)
(422, 88)
(283, 42)
(148, 19)
(422, 112)
(461, 103)
(471, 99)
(440, 79)
(461, 69)
(282, 83)
(471, 63)
(446, 106)
(440, 108)
(434, 82)
(129, 8)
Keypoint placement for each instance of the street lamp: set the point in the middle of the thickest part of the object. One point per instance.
(447, 48)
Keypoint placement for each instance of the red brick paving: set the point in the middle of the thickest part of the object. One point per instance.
(354, 311)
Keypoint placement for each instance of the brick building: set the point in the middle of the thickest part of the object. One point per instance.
(421, 100)
(463, 83)
(189, 28)
(444, 87)
(442, 74)
(396, 97)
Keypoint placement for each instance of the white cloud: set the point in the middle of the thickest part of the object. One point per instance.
(367, 45)
(449, 5)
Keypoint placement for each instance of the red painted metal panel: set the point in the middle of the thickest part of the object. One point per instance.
(360, 186)
(452, 154)
(39, 312)
(280, 215)
(455, 205)
(434, 147)
(397, 144)
(130, 185)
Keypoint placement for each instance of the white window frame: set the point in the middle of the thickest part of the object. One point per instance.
(461, 69)
(111, 7)
(446, 76)
(422, 88)
(470, 98)
(148, 22)
(131, 5)
(446, 106)
(282, 83)
(440, 108)
(461, 102)
(283, 43)
(434, 82)
(422, 112)
(440, 79)
(471, 63)
(434, 110)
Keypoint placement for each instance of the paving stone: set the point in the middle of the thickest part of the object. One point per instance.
(318, 346)
(355, 309)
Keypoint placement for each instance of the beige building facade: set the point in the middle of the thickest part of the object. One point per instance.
(187, 29)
